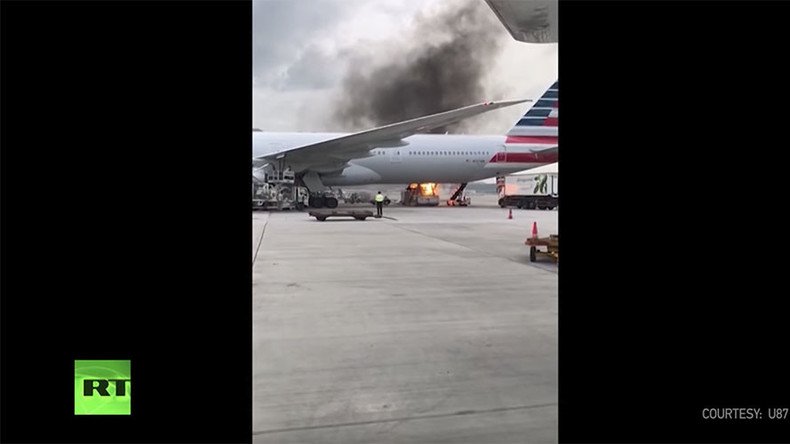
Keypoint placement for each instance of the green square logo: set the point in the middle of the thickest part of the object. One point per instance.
(102, 387)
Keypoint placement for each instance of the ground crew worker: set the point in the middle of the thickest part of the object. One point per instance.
(379, 204)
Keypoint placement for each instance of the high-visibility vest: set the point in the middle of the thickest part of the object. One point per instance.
(379, 198)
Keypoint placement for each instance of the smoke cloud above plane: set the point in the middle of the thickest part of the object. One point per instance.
(440, 66)
(346, 65)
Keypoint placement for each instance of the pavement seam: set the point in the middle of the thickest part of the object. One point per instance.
(260, 240)
(408, 418)
(472, 249)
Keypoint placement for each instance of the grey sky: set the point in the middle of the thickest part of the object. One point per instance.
(304, 49)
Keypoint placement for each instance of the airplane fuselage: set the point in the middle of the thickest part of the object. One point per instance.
(422, 158)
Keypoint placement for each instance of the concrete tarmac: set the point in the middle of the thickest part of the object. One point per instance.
(427, 326)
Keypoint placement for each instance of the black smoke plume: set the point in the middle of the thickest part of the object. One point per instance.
(386, 84)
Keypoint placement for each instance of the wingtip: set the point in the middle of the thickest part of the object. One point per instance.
(506, 102)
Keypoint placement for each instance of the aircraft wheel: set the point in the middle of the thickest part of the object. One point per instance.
(317, 202)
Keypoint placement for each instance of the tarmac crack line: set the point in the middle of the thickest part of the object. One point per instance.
(260, 241)
(408, 418)
(472, 249)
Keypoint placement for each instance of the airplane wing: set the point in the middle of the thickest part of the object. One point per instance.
(531, 21)
(356, 145)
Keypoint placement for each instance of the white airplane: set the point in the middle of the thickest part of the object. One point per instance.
(396, 154)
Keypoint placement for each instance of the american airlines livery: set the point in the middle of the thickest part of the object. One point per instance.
(396, 154)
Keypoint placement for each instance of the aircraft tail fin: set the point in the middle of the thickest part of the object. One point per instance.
(540, 123)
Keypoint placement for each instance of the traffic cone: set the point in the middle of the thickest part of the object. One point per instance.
(534, 230)
(510, 214)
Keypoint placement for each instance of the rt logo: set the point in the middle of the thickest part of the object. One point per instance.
(102, 387)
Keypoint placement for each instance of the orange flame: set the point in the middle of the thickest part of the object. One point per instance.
(429, 189)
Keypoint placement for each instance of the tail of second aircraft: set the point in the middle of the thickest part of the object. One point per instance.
(533, 141)
(539, 126)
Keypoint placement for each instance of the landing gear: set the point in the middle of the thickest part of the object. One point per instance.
(316, 201)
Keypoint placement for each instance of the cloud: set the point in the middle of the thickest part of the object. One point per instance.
(315, 69)
(282, 29)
